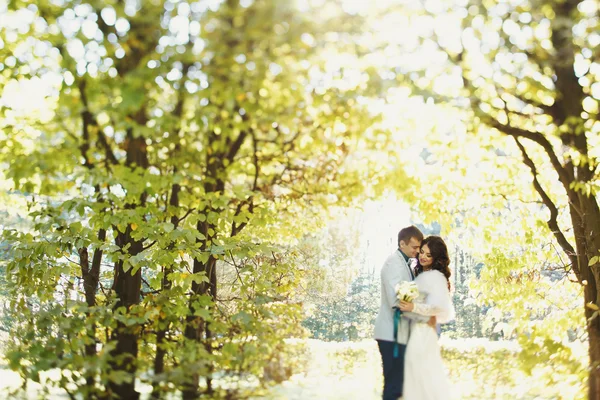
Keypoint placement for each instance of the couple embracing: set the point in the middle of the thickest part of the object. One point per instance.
(406, 330)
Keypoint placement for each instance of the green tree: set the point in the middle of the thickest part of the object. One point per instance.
(176, 139)
(527, 72)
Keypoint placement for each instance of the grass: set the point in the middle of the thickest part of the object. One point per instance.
(478, 369)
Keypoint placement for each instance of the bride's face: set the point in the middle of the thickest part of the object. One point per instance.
(425, 258)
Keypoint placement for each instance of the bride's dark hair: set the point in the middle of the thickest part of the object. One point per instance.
(439, 253)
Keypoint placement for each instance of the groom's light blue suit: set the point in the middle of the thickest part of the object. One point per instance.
(394, 270)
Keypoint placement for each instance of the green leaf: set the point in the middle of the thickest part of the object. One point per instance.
(168, 227)
(200, 278)
(202, 313)
(592, 306)
(119, 377)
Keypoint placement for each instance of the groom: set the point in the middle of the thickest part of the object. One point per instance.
(395, 270)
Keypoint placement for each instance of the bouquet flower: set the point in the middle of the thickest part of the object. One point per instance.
(407, 291)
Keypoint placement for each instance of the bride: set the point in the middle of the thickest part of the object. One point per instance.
(425, 377)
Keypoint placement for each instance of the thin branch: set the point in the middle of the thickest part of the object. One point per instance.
(191, 210)
(149, 245)
(237, 271)
(235, 229)
(256, 163)
(102, 289)
(565, 177)
(150, 286)
(537, 104)
(235, 146)
(538, 138)
(508, 199)
(110, 156)
(565, 267)
(89, 119)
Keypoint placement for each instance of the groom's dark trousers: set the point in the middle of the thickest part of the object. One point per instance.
(393, 369)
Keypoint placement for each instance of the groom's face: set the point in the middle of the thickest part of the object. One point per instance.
(411, 249)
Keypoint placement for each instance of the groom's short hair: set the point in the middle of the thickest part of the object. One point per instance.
(410, 232)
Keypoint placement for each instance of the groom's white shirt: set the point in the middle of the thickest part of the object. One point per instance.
(395, 270)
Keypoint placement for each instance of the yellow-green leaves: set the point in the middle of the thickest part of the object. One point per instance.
(189, 148)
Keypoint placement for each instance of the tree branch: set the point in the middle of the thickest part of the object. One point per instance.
(88, 120)
(235, 146)
(538, 138)
(553, 221)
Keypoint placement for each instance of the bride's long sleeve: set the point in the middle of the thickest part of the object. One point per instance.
(427, 309)
(413, 316)
(438, 302)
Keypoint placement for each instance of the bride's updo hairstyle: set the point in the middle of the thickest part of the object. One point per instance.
(439, 253)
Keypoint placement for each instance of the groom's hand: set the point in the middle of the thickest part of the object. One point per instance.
(432, 322)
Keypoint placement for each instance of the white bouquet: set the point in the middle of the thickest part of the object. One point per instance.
(407, 291)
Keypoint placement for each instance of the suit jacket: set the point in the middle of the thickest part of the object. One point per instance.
(395, 269)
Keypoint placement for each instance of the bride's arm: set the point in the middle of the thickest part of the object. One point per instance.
(414, 316)
(426, 310)
(438, 301)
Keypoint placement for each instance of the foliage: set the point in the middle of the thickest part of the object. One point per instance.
(170, 162)
(480, 367)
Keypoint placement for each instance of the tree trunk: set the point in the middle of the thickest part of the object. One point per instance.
(128, 290)
(593, 329)
(90, 297)
(127, 287)
(591, 245)
(91, 278)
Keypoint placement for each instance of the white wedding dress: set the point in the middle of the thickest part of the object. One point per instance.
(425, 376)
